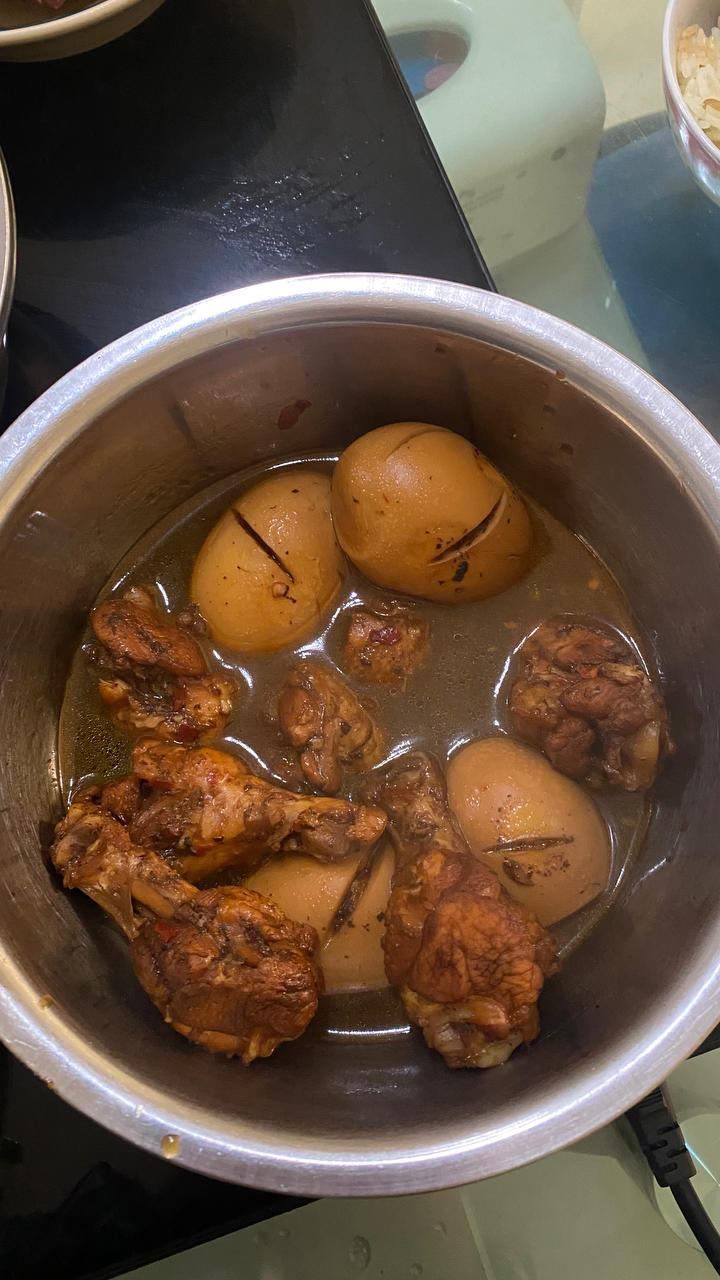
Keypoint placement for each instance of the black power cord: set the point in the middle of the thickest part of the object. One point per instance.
(661, 1141)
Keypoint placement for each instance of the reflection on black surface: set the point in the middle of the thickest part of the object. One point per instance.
(127, 138)
(76, 1203)
(218, 144)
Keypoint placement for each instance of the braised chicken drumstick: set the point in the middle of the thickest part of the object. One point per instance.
(209, 811)
(327, 724)
(153, 674)
(584, 700)
(468, 961)
(224, 966)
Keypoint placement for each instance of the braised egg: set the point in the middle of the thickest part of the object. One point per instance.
(271, 567)
(419, 509)
(310, 892)
(539, 831)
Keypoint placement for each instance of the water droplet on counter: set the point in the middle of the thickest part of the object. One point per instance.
(440, 1227)
(170, 1146)
(283, 1233)
(359, 1254)
(260, 1238)
(416, 1269)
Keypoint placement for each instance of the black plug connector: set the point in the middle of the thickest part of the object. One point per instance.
(661, 1140)
(660, 1137)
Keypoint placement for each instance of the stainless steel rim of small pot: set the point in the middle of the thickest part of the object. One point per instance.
(7, 248)
(63, 26)
(599, 1089)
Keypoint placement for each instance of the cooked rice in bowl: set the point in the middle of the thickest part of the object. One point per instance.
(698, 68)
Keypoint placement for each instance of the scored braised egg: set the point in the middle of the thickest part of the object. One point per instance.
(419, 509)
(271, 567)
(538, 830)
(310, 892)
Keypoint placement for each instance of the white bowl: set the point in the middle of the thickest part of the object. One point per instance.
(701, 156)
(66, 34)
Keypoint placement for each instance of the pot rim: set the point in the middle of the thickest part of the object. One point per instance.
(593, 1092)
(63, 24)
(7, 247)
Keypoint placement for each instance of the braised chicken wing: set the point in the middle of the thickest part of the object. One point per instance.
(384, 648)
(153, 675)
(468, 961)
(327, 724)
(210, 811)
(225, 967)
(584, 700)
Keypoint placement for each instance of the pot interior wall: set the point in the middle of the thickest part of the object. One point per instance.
(171, 438)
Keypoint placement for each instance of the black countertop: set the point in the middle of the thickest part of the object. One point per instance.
(220, 143)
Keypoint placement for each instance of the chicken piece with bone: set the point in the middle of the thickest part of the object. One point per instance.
(153, 675)
(327, 724)
(585, 701)
(469, 963)
(225, 967)
(205, 809)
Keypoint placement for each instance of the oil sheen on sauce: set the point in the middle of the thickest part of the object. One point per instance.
(459, 695)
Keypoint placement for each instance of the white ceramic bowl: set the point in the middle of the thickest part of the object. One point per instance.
(701, 156)
(66, 34)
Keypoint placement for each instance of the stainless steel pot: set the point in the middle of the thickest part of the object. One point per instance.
(189, 398)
